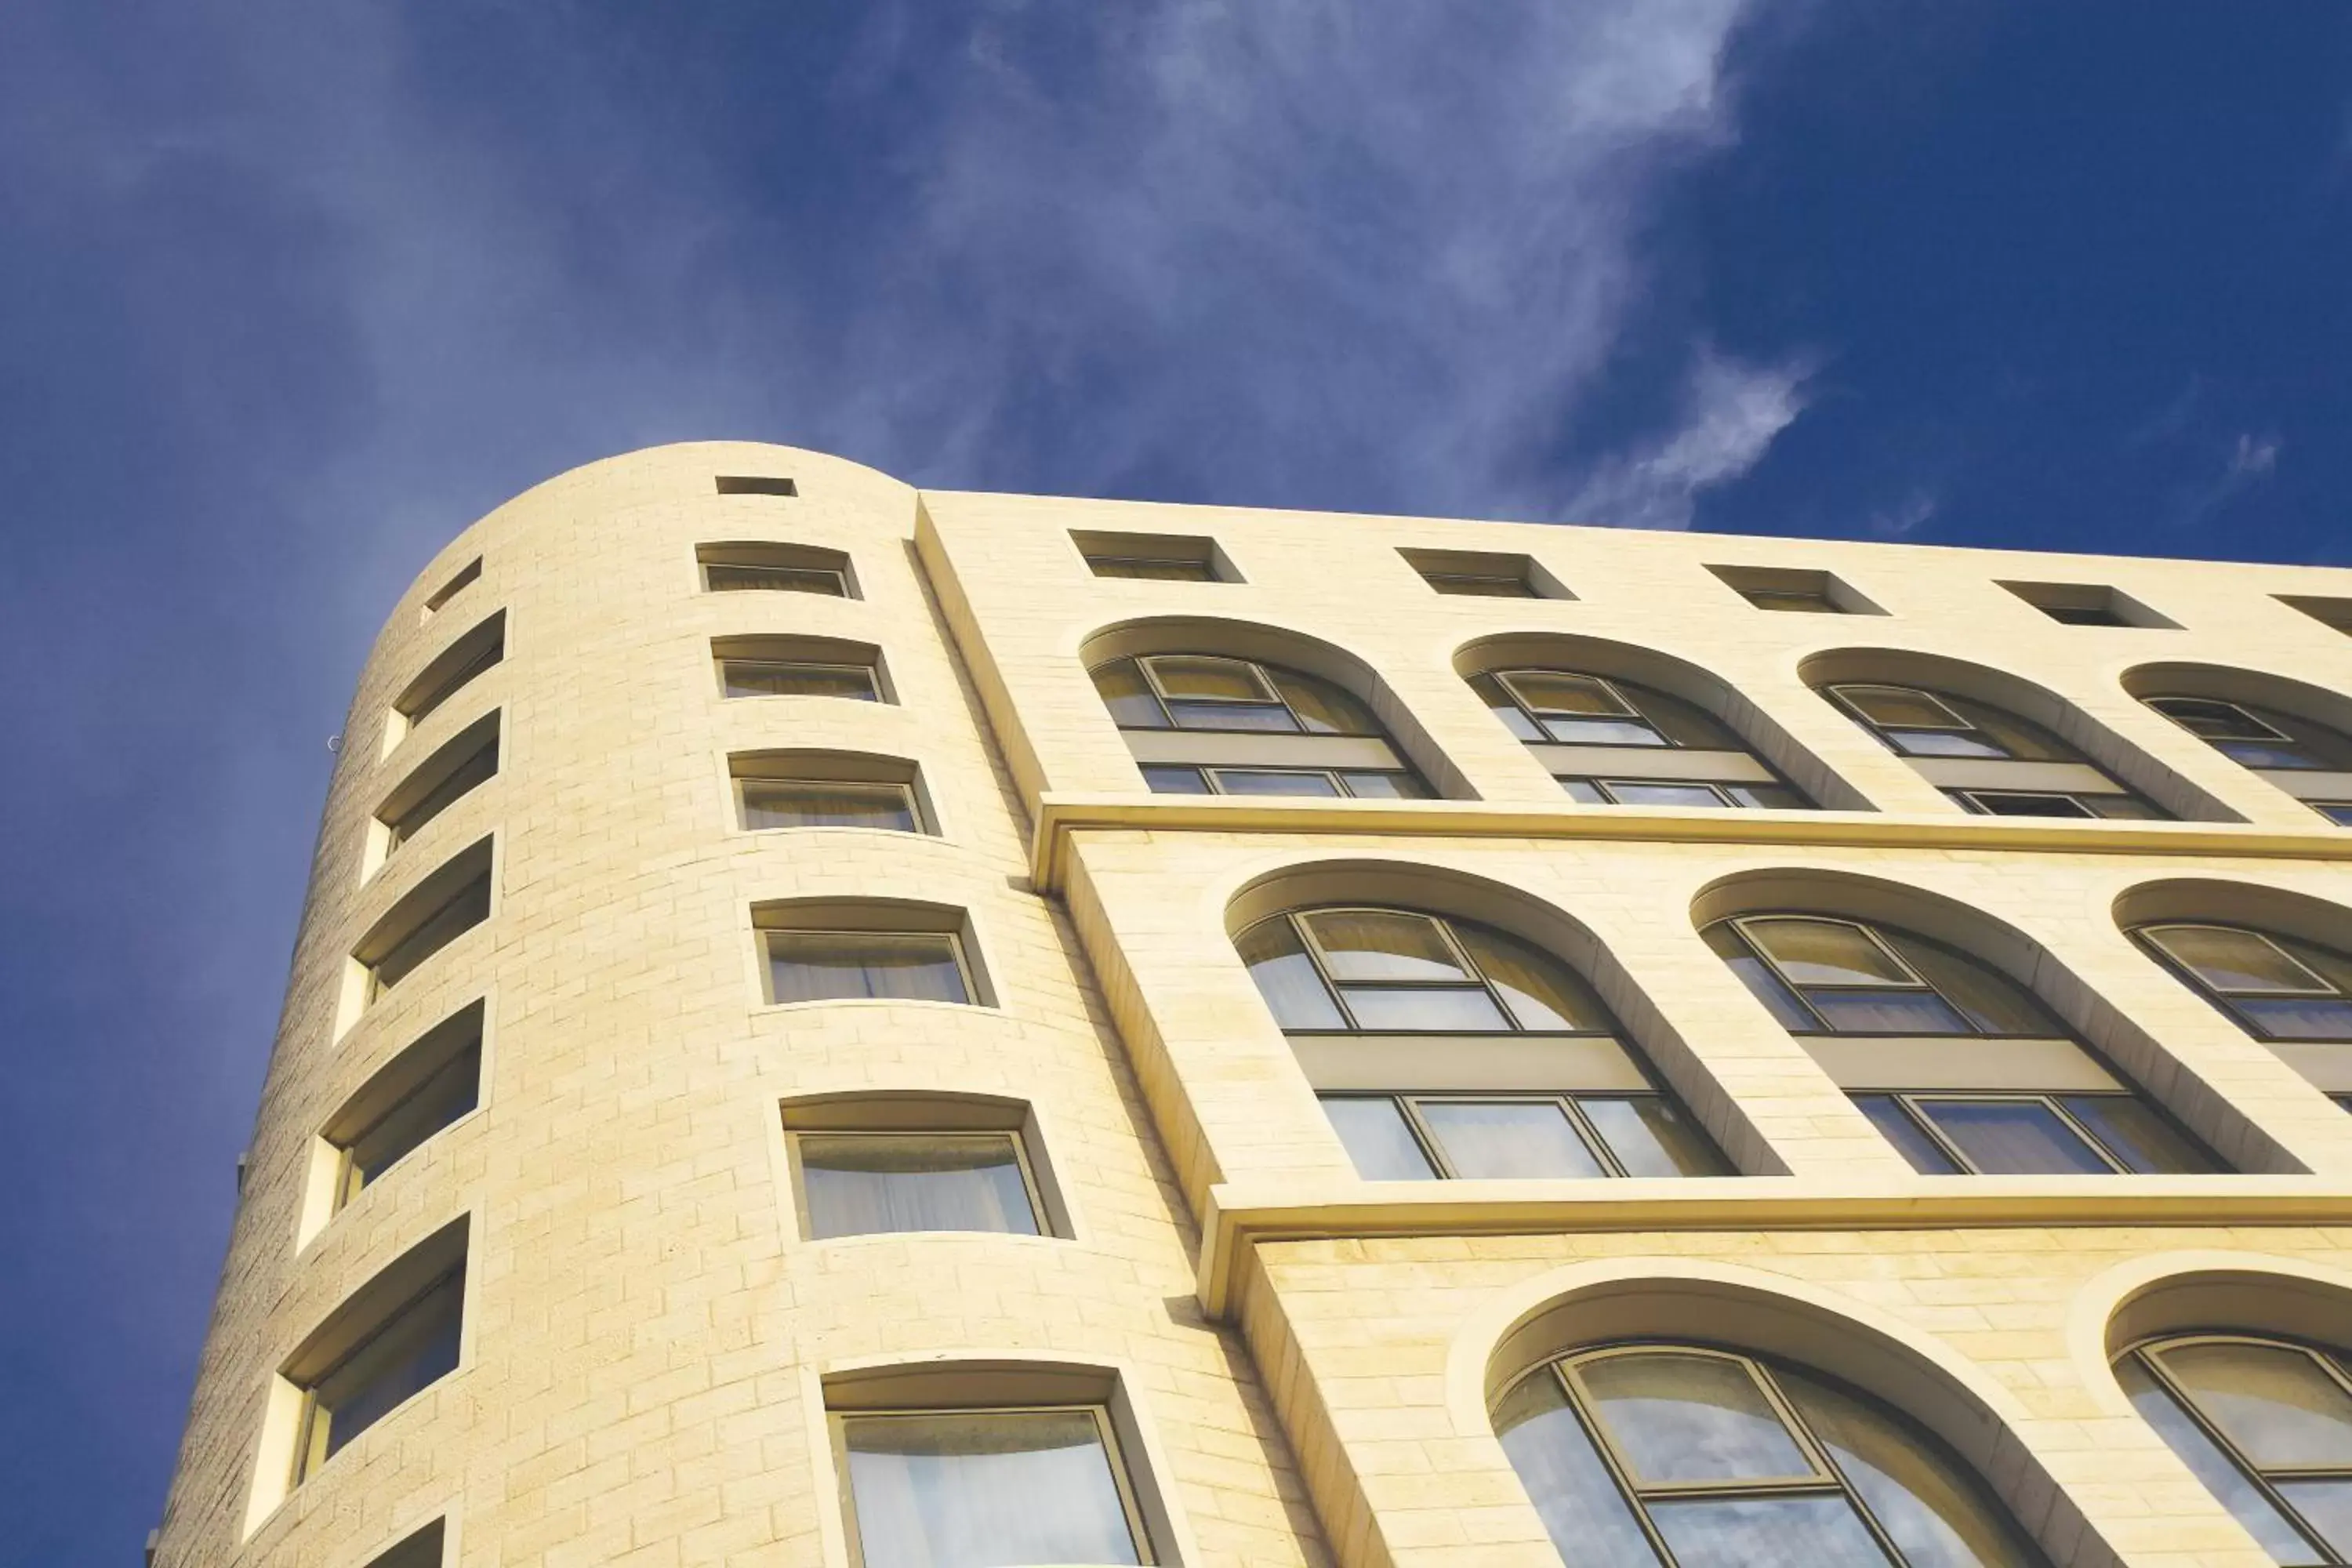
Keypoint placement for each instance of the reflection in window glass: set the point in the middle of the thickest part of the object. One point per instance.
(983, 1488)
(1650, 1136)
(1588, 1518)
(1679, 1417)
(818, 966)
(1374, 1132)
(1287, 978)
(1825, 953)
(2244, 1500)
(1383, 944)
(1503, 1138)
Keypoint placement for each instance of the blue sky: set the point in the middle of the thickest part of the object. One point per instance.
(290, 290)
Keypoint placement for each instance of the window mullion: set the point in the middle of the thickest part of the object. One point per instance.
(1430, 1149)
(1598, 1145)
(2098, 1145)
(1910, 1104)
(2154, 1363)
(1597, 1432)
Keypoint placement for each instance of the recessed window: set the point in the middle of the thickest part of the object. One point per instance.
(465, 762)
(448, 674)
(828, 789)
(466, 577)
(756, 567)
(756, 485)
(2327, 612)
(1631, 1452)
(1485, 574)
(2265, 1424)
(1795, 589)
(1566, 717)
(422, 1550)
(1391, 979)
(800, 667)
(2277, 987)
(2049, 1108)
(1972, 751)
(845, 950)
(1154, 557)
(2285, 748)
(400, 1334)
(452, 901)
(430, 1084)
(2088, 604)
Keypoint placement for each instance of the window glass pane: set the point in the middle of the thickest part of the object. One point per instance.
(2333, 967)
(2016, 803)
(1383, 944)
(789, 579)
(1552, 691)
(1769, 798)
(1603, 732)
(1993, 1003)
(1465, 1009)
(1813, 1531)
(2122, 808)
(2014, 1137)
(1683, 723)
(2327, 1506)
(764, 677)
(1758, 976)
(2221, 1476)
(1130, 699)
(1680, 1417)
(1900, 706)
(1480, 587)
(1587, 1516)
(2316, 1018)
(1824, 953)
(1490, 691)
(1584, 790)
(478, 768)
(1651, 1137)
(1322, 708)
(1887, 1013)
(826, 803)
(1377, 1138)
(1942, 743)
(1152, 570)
(1937, 1518)
(984, 1490)
(860, 1183)
(416, 1349)
(1207, 677)
(1895, 1124)
(2336, 811)
(1270, 781)
(2212, 718)
(2136, 1134)
(1270, 717)
(1631, 793)
(1285, 978)
(2267, 754)
(1176, 780)
(1541, 991)
(1507, 1138)
(466, 909)
(2272, 1400)
(1385, 786)
(2229, 960)
(452, 1091)
(817, 966)
(2015, 736)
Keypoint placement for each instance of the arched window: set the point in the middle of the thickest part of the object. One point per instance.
(2302, 756)
(1683, 1456)
(1444, 1048)
(2265, 1424)
(1959, 1066)
(1210, 724)
(2277, 987)
(1989, 760)
(1611, 741)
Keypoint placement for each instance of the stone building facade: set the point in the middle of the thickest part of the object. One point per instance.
(836, 1024)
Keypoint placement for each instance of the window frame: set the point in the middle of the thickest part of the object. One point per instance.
(1261, 674)
(314, 1423)
(1455, 946)
(1961, 724)
(2147, 1353)
(2223, 1000)
(1722, 791)
(1918, 981)
(1342, 789)
(1041, 1214)
(1909, 1101)
(1105, 1433)
(1627, 708)
(1452, 584)
(742, 782)
(838, 578)
(1408, 1102)
(954, 939)
(349, 1181)
(727, 662)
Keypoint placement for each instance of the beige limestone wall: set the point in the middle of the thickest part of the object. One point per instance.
(644, 1333)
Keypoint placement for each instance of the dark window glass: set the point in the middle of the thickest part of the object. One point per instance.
(416, 1348)
(1911, 1140)
(453, 1090)
(478, 767)
(469, 907)
(1155, 569)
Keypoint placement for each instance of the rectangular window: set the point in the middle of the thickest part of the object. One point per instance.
(467, 575)
(2032, 1134)
(828, 803)
(956, 1489)
(756, 485)
(465, 764)
(464, 908)
(422, 1550)
(415, 1347)
(1535, 1137)
(448, 674)
(862, 1182)
(1797, 589)
(450, 1091)
(827, 965)
(794, 677)
(771, 566)
(1154, 557)
(1485, 574)
(2088, 604)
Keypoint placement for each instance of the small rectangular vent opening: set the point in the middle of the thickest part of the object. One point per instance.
(756, 485)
